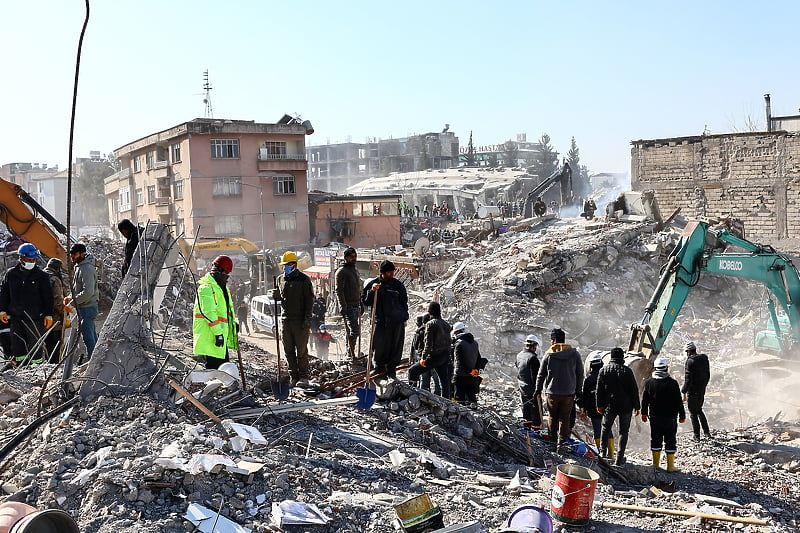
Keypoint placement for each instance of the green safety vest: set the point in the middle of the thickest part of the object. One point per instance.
(211, 318)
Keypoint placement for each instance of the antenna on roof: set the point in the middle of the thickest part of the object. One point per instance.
(209, 113)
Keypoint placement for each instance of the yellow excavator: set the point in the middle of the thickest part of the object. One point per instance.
(18, 211)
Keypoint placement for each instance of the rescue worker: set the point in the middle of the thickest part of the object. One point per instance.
(348, 294)
(696, 377)
(317, 319)
(60, 311)
(617, 396)
(436, 351)
(560, 378)
(588, 403)
(241, 315)
(468, 366)
(390, 318)
(527, 362)
(87, 293)
(26, 303)
(296, 293)
(539, 207)
(324, 339)
(131, 234)
(427, 376)
(214, 326)
(661, 403)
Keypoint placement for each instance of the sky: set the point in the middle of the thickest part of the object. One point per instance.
(605, 73)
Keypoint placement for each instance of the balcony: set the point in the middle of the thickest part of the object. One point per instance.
(163, 205)
(281, 162)
(123, 174)
(157, 164)
(265, 155)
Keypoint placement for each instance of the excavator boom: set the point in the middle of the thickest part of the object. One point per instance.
(562, 175)
(18, 212)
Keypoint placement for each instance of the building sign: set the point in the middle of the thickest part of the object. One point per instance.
(324, 256)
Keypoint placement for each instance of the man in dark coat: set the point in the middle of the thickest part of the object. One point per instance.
(588, 403)
(436, 351)
(539, 207)
(696, 377)
(348, 294)
(661, 402)
(527, 362)
(131, 234)
(296, 294)
(617, 397)
(467, 378)
(391, 314)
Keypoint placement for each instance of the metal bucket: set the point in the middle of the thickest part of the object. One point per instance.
(529, 518)
(573, 494)
(418, 514)
(48, 521)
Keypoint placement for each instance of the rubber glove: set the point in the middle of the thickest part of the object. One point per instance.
(601, 410)
(67, 322)
(48, 321)
(68, 309)
(219, 340)
(4, 317)
(376, 287)
(423, 364)
(682, 420)
(474, 372)
(644, 418)
(67, 300)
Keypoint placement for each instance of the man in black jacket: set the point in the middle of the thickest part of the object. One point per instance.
(131, 234)
(527, 369)
(696, 378)
(467, 379)
(588, 403)
(296, 293)
(661, 402)
(390, 318)
(617, 396)
(436, 351)
(26, 303)
(348, 293)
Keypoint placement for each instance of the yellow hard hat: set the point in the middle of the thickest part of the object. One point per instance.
(288, 257)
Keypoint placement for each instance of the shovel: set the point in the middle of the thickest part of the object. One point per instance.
(366, 395)
(280, 387)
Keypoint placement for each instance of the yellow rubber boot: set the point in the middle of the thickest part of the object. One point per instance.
(599, 448)
(656, 458)
(671, 462)
(611, 448)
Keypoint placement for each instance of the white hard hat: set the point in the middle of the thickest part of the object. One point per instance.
(596, 357)
(230, 368)
(459, 326)
(660, 363)
(531, 339)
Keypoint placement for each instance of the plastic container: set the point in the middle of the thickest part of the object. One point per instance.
(485, 210)
(11, 513)
(573, 494)
(529, 518)
(419, 514)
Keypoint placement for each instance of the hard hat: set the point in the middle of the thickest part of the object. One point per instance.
(288, 257)
(595, 358)
(660, 363)
(230, 368)
(323, 326)
(28, 250)
(459, 326)
(224, 262)
(531, 339)
(690, 346)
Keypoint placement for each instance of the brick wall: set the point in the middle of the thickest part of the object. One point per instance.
(751, 176)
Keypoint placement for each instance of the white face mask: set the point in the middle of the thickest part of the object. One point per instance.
(28, 266)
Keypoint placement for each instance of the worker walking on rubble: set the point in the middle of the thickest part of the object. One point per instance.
(390, 318)
(527, 363)
(560, 378)
(417, 348)
(87, 293)
(26, 304)
(468, 366)
(697, 374)
(661, 403)
(436, 351)
(131, 233)
(60, 311)
(214, 326)
(296, 293)
(348, 294)
(588, 403)
(617, 396)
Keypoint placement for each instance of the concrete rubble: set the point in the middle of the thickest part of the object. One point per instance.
(142, 462)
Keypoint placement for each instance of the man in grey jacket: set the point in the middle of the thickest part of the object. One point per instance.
(560, 378)
(87, 293)
(348, 293)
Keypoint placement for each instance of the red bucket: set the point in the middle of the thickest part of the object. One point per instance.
(573, 494)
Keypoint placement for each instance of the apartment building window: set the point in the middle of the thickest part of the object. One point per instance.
(151, 159)
(224, 148)
(228, 225)
(227, 187)
(124, 199)
(285, 222)
(179, 190)
(139, 197)
(137, 164)
(151, 194)
(176, 153)
(275, 149)
(283, 185)
(362, 153)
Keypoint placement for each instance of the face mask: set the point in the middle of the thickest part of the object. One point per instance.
(27, 266)
(287, 269)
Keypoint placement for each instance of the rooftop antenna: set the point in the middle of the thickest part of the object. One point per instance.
(209, 113)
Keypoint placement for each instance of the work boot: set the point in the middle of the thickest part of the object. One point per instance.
(597, 443)
(610, 444)
(656, 458)
(671, 462)
(696, 437)
(620, 460)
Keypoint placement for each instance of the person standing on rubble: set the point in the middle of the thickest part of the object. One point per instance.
(295, 291)
(418, 348)
(527, 362)
(87, 293)
(131, 234)
(348, 294)
(697, 374)
(390, 318)
(588, 403)
(26, 303)
(617, 396)
(436, 351)
(60, 311)
(214, 326)
(468, 366)
(661, 403)
(560, 378)
(539, 207)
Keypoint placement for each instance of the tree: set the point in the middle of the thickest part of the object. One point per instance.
(470, 152)
(512, 154)
(580, 176)
(546, 161)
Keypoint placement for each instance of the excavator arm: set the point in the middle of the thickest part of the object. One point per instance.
(562, 175)
(18, 211)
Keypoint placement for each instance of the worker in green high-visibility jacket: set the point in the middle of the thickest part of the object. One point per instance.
(214, 324)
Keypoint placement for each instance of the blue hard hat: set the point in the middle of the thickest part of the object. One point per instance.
(28, 250)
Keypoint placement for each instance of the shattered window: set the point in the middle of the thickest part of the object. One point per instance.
(228, 225)
(285, 222)
(356, 210)
(389, 209)
(227, 187)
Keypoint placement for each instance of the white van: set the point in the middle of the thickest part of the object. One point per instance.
(262, 313)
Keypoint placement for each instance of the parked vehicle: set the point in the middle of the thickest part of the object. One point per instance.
(262, 314)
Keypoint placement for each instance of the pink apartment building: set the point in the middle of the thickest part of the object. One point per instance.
(213, 178)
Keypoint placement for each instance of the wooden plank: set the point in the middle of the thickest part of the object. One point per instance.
(290, 407)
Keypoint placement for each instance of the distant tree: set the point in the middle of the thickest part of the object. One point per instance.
(580, 180)
(470, 152)
(546, 161)
(512, 153)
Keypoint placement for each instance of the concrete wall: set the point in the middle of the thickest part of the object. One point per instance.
(751, 176)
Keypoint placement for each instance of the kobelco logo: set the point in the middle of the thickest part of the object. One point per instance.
(727, 264)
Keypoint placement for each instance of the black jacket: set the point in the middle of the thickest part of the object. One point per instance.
(527, 369)
(131, 243)
(26, 294)
(662, 397)
(467, 354)
(348, 286)
(392, 301)
(297, 296)
(436, 350)
(697, 374)
(588, 396)
(417, 344)
(616, 388)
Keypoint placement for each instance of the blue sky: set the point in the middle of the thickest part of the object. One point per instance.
(606, 73)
